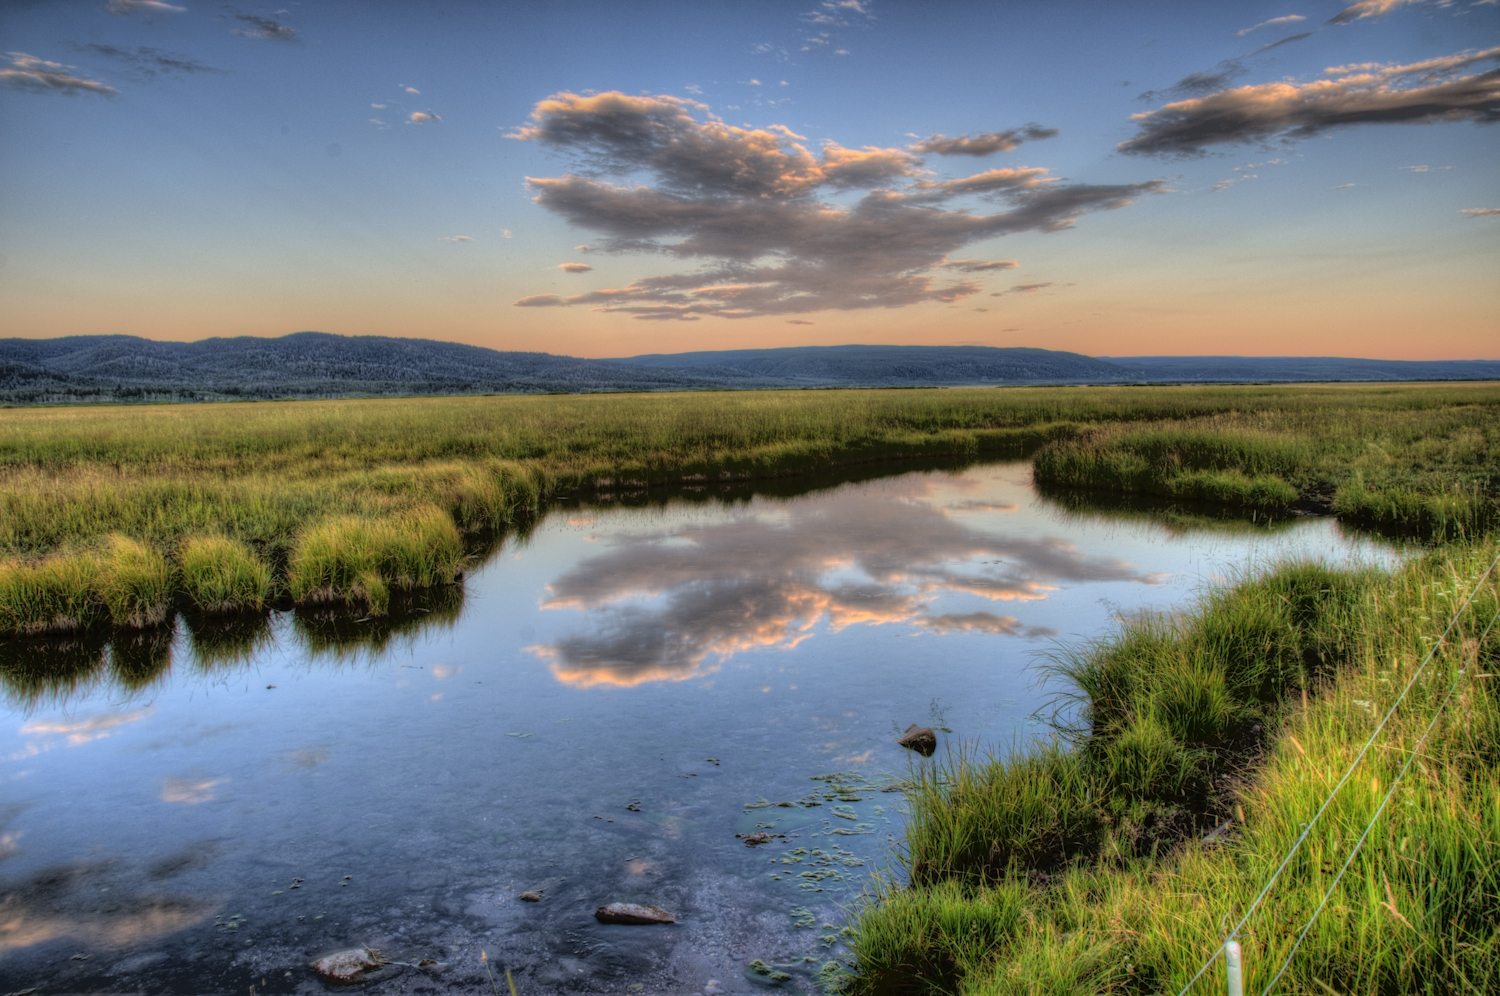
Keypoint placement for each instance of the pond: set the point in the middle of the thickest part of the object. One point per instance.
(600, 714)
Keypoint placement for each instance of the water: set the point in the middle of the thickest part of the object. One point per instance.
(588, 717)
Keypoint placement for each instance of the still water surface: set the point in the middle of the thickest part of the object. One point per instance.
(587, 717)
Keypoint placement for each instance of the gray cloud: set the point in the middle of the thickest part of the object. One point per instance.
(34, 75)
(1421, 92)
(148, 63)
(983, 145)
(980, 265)
(1028, 288)
(1479, 212)
(264, 27)
(1200, 83)
(1283, 41)
(749, 204)
(984, 622)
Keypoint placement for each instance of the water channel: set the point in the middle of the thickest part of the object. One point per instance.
(593, 717)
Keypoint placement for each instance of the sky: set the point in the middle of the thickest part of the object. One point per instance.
(602, 179)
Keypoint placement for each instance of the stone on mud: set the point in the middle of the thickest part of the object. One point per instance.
(348, 966)
(920, 739)
(633, 913)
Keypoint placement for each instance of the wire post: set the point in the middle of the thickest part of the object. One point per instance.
(1232, 967)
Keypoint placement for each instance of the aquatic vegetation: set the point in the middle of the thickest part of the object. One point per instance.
(297, 480)
(1114, 857)
(360, 561)
(220, 575)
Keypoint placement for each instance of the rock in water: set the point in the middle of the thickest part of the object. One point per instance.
(348, 966)
(759, 837)
(920, 739)
(530, 897)
(632, 913)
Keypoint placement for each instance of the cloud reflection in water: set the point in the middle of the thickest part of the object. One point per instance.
(673, 605)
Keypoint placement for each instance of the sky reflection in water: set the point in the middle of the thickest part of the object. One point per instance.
(590, 715)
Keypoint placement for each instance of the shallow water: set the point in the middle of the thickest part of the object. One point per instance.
(210, 809)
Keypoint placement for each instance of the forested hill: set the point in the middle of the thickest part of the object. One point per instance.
(317, 365)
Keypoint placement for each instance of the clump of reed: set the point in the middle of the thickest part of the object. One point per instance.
(221, 575)
(1085, 866)
(124, 582)
(360, 561)
(1223, 467)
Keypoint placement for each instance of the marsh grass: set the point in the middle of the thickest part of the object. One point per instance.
(1083, 867)
(220, 575)
(361, 561)
(324, 484)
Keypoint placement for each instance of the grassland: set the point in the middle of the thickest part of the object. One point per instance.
(351, 500)
(1115, 858)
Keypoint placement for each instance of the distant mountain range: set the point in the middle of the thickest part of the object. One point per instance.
(81, 369)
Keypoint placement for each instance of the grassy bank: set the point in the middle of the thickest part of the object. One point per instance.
(342, 500)
(1115, 858)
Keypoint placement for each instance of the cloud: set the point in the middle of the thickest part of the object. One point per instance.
(1272, 23)
(541, 301)
(264, 27)
(751, 206)
(127, 7)
(422, 117)
(34, 75)
(189, 791)
(1479, 212)
(458, 238)
(980, 265)
(674, 604)
(412, 89)
(1344, 186)
(149, 62)
(1200, 83)
(984, 622)
(983, 145)
(1028, 288)
(505, 233)
(574, 267)
(1369, 8)
(799, 321)
(1284, 41)
(1421, 92)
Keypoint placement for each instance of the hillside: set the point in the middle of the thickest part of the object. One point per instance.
(93, 369)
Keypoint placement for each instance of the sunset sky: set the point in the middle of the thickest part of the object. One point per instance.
(607, 179)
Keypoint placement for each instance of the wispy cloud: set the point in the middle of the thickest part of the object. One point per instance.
(983, 145)
(1420, 92)
(574, 267)
(34, 75)
(127, 7)
(422, 117)
(1199, 83)
(1029, 288)
(749, 204)
(1369, 8)
(980, 265)
(265, 28)
(148, 63)
(458, 238)
(1274, 22)
(1480, 212)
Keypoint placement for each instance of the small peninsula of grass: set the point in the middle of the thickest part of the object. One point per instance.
(341, 500)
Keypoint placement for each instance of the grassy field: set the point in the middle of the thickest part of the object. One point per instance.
(351, 500)
(1093, 865)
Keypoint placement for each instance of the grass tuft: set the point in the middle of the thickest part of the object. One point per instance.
(360, 561)
(220, 575)
(134, 583)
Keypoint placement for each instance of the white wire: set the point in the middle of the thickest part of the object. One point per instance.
(1416, 748)
(1297, 845)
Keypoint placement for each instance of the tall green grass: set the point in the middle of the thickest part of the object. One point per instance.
(271, 476)
(1088, 867)
(361, 561)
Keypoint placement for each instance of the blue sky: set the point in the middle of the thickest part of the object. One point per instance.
(185, 170)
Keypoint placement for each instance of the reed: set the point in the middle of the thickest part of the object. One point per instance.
(1101, 875)
(360, 561)
(221, 575)
(273, 476)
